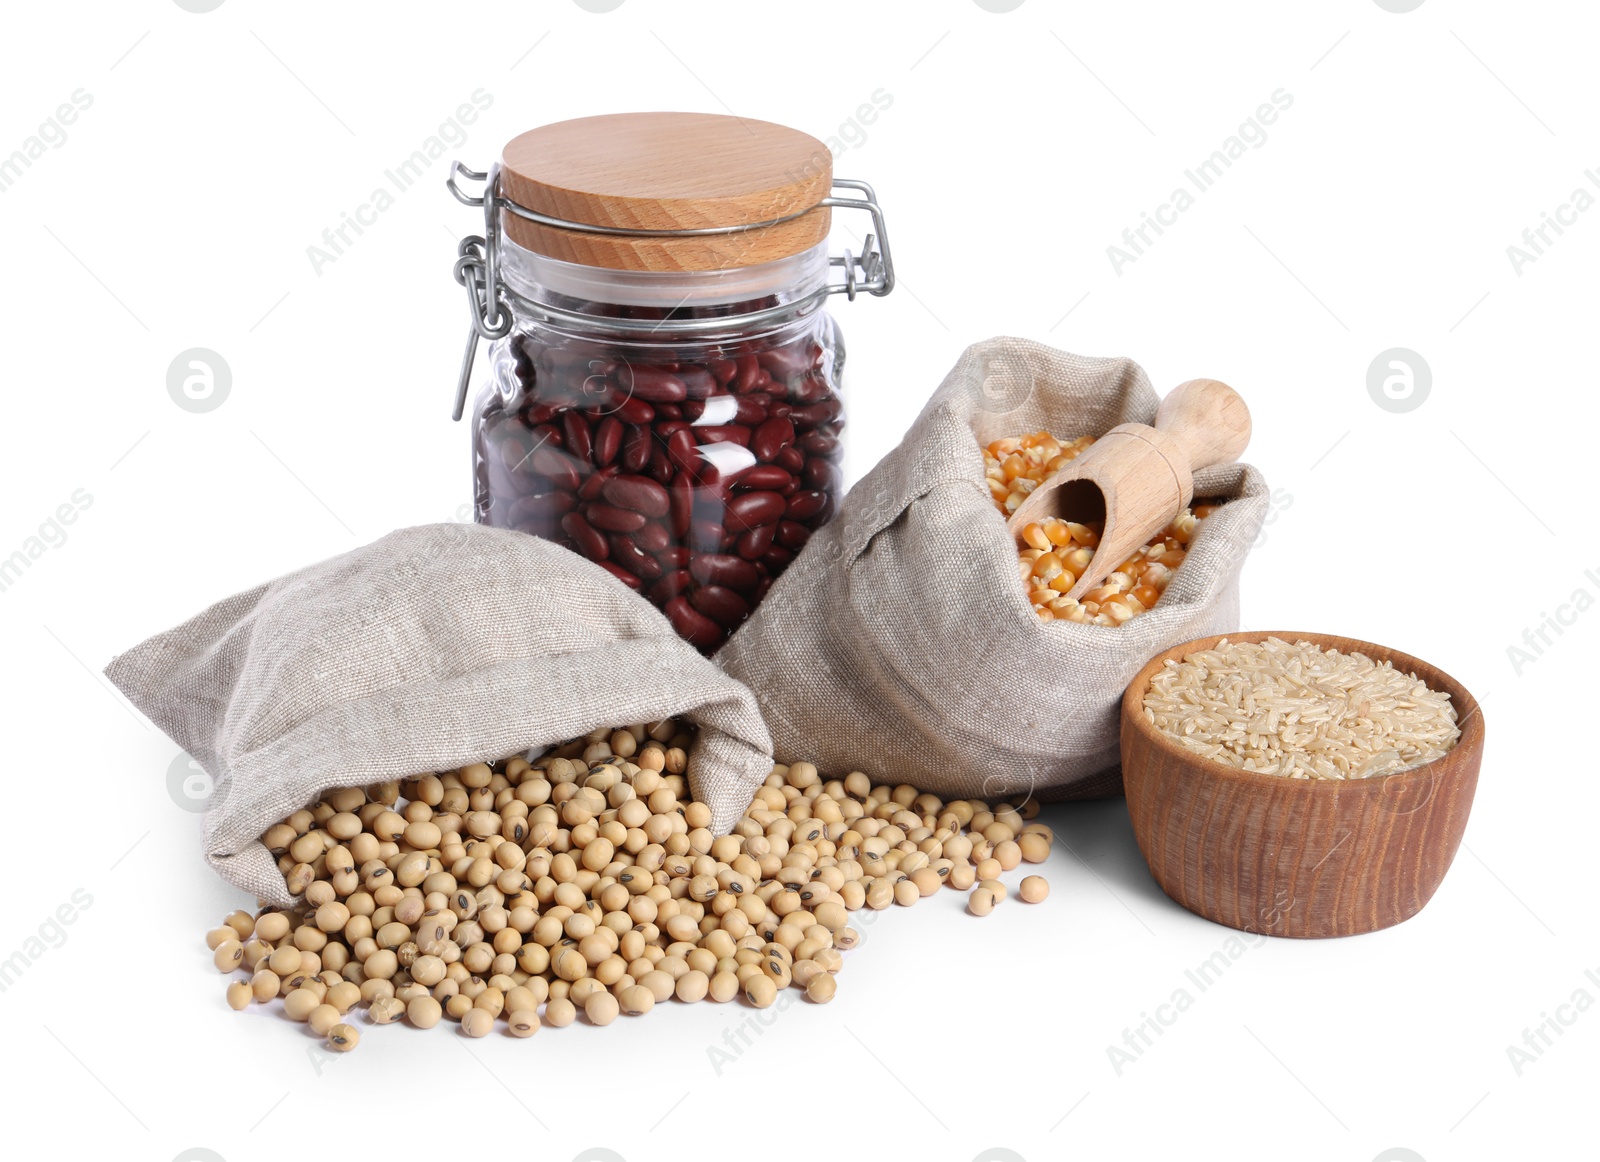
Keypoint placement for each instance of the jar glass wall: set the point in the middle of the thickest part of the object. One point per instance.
(679, 429)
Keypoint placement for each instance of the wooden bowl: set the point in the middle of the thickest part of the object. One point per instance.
(1297, 857)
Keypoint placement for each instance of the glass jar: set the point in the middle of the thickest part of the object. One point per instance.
(681, 428)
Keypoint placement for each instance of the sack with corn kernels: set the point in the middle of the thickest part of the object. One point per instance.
(904, 642)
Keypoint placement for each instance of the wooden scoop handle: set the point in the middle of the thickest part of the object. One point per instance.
(1208, 421)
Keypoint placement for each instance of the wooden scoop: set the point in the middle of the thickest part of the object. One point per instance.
(1137, 477)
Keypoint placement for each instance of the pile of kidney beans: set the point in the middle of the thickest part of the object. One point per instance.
(695, 481)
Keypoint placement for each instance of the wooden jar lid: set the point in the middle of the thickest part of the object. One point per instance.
(668, 171)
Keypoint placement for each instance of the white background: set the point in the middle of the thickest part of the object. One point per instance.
(1017, 147)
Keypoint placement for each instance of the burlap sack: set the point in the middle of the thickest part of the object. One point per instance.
(901, 642)
(432, 648)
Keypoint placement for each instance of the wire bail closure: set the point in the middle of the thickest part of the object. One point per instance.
(477, 266)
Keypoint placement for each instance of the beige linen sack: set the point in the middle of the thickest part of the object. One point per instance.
(432, 648)
(901, 641)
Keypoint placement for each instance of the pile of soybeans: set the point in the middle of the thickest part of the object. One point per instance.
(586, 881)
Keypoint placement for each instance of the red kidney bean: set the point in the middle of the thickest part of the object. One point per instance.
(693, 625)
(809, 389)
(756, 542)
(791, 458)
(541, 414)
(777, 560)
(720, 603)
(575, 430)
(681, 449)
(639, 493)
(722, 370)
(589, 540)
(621, 574)
(681, 511)
(653, 538)
(783, 363)
(512, 455)
(705, 536)
(819, 444)
(770, 438)
(820, 474)
(627, 553)
(669, 411)
(749, 374)
(613, 519)
(651, 384)
(661, 469)
(753, 509)
(721, 569)
(636, 449)
(670, 585)
(607, 440)
(635, 411)
(761, 476)
(676, 557)
(805, 505)
(540, 511)
(698, 382)
(750, 409)
(824, 412)
(719, 433)
(592, 486)
(557, 466)
(793, 535)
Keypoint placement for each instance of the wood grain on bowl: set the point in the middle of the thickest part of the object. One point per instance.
(1297, 857)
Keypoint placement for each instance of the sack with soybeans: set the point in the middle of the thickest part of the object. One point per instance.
(436, 648)
(915, 640)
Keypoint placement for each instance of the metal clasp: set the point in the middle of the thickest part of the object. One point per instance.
(478, 269)
(477, 265)
(874, 264)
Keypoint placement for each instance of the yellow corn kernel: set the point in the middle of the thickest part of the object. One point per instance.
(1035, 536)
(1063, 581)
(1083, 534)
(1119, 611)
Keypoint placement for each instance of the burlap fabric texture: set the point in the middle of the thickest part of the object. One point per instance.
(901, 641)
(432, 648)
